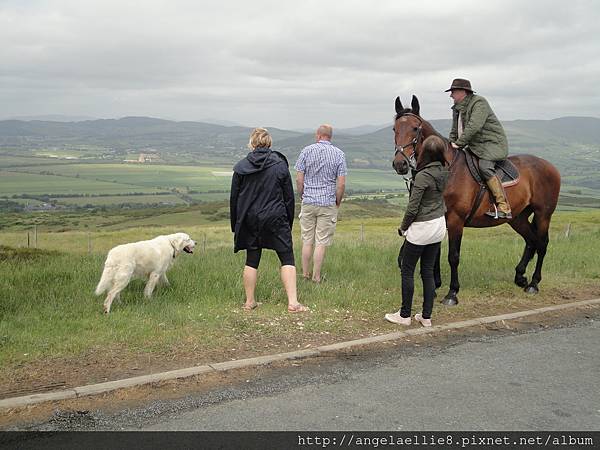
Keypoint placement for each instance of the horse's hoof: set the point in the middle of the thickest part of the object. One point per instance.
(449, 300)
(532, 289)
(521, 281)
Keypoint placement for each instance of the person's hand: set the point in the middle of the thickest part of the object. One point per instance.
(455, 146)
(401, 232)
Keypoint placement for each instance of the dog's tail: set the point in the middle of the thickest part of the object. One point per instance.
(105, 280)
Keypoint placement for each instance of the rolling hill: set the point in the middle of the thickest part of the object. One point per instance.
(571, 143)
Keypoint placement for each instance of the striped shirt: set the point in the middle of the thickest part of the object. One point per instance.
(321, 164)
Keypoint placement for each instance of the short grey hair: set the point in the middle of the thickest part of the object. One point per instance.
(325, 130)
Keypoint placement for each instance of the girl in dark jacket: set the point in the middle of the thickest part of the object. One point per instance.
(424, 227)
(262, 214)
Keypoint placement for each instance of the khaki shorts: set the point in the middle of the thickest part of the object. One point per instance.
(317, 224)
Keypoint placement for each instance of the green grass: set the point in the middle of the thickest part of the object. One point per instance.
(36, 184)
(48, 309)
(146, 175)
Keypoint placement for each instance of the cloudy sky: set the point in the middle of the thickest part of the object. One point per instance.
(296, 64)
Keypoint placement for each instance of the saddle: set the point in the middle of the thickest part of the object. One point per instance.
(506, 171)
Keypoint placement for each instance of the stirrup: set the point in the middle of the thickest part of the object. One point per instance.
(494, 213)
(498, 214)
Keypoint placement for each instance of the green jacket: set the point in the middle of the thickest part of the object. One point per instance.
(426, 201)
(482, 131)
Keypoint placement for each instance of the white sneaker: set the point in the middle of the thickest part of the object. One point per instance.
(397, 318)
(424, 322)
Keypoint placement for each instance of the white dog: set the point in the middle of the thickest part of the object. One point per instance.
(145, 259)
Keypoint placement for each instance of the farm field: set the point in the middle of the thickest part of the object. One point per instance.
(76, 183)
(200, 183)
(168, 199)
(52, 325)
(14, 183)
(154, 175)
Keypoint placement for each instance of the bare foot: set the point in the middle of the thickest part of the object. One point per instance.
(250, 306)
(297, 308)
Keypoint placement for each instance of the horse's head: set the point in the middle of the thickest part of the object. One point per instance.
(408, 136)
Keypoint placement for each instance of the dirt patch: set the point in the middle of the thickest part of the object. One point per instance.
(177, 389)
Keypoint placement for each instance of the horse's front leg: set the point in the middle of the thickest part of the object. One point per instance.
(455, 231)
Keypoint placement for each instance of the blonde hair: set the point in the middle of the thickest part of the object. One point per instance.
(260, 137)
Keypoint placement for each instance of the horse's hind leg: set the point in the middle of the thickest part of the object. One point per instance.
(522, 226)
(541, 224)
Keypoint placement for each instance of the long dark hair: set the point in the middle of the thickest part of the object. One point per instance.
(433, 150)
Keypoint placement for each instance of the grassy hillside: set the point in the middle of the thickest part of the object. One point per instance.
(51, 319)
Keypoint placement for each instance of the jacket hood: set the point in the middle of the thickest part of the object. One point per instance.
(258, 160)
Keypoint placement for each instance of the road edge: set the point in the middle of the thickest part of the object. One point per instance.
(101, 388)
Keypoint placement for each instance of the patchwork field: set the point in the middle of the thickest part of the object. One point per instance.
(109, 184)
(12, 183)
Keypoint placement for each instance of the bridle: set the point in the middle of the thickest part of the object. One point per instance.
(410, 159)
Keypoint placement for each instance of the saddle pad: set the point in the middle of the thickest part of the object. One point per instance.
(506, 170)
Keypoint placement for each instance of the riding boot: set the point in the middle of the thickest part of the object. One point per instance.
(503, 209)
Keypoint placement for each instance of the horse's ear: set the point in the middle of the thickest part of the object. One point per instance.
(414, 104)
(399, 107)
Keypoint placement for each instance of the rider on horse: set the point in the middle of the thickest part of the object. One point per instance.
(475, 125)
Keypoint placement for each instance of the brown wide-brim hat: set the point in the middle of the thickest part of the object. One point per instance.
(460, 83)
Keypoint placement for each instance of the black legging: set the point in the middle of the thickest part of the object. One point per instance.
(410, 256)
(253, 258)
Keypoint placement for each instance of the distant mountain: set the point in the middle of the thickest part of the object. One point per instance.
(572, 143)
(116, 138)
(225, 123)
(362, 129)
(53, 118)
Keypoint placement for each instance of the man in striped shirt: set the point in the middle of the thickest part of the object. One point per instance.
(321, 181)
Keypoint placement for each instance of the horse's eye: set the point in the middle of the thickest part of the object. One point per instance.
(415, 129)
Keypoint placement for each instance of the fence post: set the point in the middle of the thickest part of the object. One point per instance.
(35, 236)
(568, 230)
(28, 239)
(362, 232)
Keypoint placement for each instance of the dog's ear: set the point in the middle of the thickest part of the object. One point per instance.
(177, 241)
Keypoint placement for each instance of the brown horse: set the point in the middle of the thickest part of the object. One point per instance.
(536, 193)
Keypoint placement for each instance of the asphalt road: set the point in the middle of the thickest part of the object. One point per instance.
(544, 380)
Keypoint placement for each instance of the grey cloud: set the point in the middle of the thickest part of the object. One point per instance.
(290, 64)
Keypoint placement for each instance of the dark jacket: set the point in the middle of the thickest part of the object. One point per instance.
(262, 202)
(426, 201)
(482, 131)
